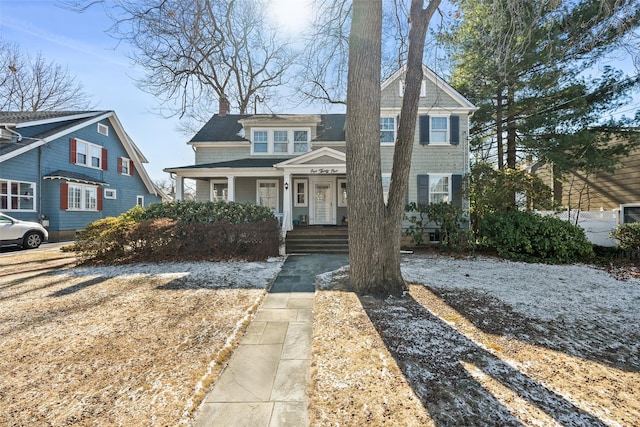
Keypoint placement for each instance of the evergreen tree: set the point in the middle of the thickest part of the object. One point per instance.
(526, 64)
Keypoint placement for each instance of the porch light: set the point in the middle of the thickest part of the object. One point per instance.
(286, 185)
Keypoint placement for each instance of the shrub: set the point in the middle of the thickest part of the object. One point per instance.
(106, 239)
(447, 218)
(183, 231)
(205, 212)
(628, 236)
(526, 236)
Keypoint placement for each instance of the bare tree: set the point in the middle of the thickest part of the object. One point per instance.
(196, 52)
(375, 228)
(32, 84)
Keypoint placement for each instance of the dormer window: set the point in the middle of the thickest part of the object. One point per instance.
(280, 141)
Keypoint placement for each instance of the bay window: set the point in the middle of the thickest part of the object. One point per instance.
(82, 197)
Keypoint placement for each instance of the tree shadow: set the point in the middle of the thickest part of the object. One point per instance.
(78, 287)
(431, 355)
(604, 342)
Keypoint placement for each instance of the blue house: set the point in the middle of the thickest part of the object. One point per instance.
(68, 169)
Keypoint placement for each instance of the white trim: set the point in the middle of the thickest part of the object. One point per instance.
(277, 187)
(342, 202)
(447, 137)
(88, 158)
(627, 205)
(103, 129)
(395, 129)
(313, 182)
(290, 141)
(9, 195)
(83, 197)
(305, 202)
(432, 183)
(438, 81)
(109, 193)
(140, 200)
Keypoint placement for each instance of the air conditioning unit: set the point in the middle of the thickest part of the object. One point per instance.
(629, 212)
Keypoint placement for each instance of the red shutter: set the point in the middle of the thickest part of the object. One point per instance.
(119, 165)
(99, 196)
(131, 169)
(64, 196)
(72, 150)
(104, 159)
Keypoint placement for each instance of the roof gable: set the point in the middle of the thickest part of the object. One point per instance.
(433, 81)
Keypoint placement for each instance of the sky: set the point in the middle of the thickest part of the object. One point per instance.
(81, 43)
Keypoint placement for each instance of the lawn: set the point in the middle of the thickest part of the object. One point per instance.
(479, 341)
(129, 345)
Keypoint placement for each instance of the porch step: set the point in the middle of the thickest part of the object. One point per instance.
(326, 240)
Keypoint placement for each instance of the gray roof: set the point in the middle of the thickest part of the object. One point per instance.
(227, 128)
(74, 176)
(260, 162)
(64, 120)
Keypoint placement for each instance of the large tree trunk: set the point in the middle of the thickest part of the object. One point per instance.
(404, 146)
(364, 177)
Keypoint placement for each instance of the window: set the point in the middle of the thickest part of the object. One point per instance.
(387, 130)
(260, 141)
(423, 88)
(439, 130)
(103, 129)
(300, 141)
(124, 166)
(82, 197)
(300, 195)
(280, 141)
(140, 200)
(17, 195)
(629, 213)
(88, 154)
(109, 194)
(267, 194)
(219, 191)
(439, 188)
(342, 193)
(386, 181)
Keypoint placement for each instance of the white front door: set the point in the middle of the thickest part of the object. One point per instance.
(322, 203)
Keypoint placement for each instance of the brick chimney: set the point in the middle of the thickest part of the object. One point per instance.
(223, 106)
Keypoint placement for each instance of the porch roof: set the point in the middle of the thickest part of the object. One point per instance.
(74, 177)
(260, 162)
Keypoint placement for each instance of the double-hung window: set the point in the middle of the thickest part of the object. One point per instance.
(300, 141)
(439, 189)
(267, 194)
(439, 130)
(280, 141)
(387, 130)
(260, 141)
(88, 154)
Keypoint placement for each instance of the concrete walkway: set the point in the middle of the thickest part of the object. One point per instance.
(266, 380)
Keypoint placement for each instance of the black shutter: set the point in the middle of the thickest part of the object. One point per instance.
(423, 189)
(424, 129)
(456, 190)
(454, 130)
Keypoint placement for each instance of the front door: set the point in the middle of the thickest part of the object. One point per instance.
(323, 206)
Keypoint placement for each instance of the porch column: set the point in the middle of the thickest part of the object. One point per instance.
(179, 187)
(231, 189)
(287, 202)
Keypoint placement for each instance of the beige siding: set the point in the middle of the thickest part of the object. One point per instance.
(206, 155)
(435, 97)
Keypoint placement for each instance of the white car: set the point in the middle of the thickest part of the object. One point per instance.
(26, 234)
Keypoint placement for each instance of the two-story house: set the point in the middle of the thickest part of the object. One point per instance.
(295, 163)
(68, 169)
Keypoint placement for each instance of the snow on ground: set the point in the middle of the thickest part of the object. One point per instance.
(238, 274)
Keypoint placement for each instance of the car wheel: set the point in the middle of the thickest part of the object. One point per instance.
(31, 240)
